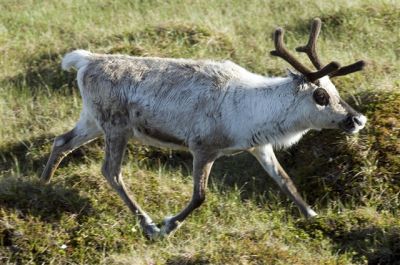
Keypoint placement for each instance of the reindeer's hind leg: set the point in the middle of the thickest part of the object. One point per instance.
(202, 163)
(85, 131)
(115, 148)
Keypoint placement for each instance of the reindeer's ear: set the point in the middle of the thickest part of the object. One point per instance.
(293, 74)
(290, 73)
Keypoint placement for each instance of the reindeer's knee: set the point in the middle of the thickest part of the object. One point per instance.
(59, 141)
(64, 138)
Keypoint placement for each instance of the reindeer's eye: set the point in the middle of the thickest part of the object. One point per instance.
(321, 97)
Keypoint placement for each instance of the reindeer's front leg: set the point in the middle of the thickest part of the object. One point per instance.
(266, 156)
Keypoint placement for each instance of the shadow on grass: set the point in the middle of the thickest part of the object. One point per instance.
(22, 157)
(28, 195)
(183, 260)
(45, 201)
(352, 233)
(379, 245)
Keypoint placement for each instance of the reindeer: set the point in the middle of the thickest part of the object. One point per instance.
(206, 107)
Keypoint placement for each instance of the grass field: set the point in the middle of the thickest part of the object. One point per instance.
(353, 182)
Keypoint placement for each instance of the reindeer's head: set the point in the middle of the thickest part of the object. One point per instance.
(323, 106)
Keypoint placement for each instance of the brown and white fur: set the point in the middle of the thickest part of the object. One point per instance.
(206, 107)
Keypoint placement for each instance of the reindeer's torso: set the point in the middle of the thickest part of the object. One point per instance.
(178, 103)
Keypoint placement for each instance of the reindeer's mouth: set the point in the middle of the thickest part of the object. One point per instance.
(352, 124)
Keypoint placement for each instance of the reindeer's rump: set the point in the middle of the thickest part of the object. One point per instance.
(174, 101)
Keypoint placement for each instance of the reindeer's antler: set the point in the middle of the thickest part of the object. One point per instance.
(309, 49)
(348, 69)
(332, 69)
(281, 51)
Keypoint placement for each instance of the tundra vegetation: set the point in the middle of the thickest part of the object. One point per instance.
(352, 181)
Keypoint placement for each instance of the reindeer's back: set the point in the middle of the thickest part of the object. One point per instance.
(180, 98)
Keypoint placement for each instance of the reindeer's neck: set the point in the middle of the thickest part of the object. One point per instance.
(273, 114)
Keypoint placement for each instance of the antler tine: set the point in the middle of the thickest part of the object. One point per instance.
(328, 69)
(348, 69)
(309, 48)
(281, 51)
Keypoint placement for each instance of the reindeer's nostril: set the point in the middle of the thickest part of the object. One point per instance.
(357, 121)
(348, 122)
(353, 124)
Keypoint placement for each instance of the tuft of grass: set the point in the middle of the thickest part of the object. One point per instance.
(174, 39)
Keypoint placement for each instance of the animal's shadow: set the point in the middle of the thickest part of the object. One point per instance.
(21, 191)
(360, 240)
(379, 245)
(26, 197)
(48, 202)
(178, 260)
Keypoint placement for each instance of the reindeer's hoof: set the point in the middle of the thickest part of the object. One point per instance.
(45, 177)
(151, 231)
(44, 181)
(310, 214)
(168, 226)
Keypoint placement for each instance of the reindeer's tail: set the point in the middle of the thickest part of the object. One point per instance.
(77, 59)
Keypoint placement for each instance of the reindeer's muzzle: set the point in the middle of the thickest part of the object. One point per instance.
(353, 123)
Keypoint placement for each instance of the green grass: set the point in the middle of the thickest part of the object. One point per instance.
(352, 181)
